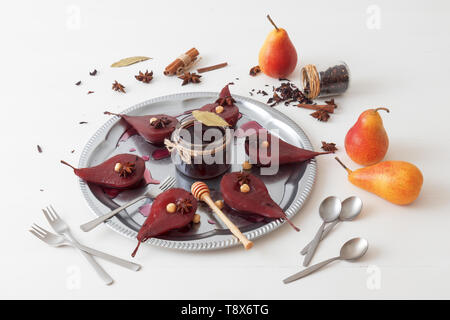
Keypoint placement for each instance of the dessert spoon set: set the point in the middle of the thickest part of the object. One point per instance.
(332, 211)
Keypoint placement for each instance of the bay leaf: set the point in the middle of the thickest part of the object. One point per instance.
(128, 61)
(209, 118)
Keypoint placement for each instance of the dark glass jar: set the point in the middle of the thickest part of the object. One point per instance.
(324, 80)
(201, 152)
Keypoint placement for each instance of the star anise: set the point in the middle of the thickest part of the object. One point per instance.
(254, 71)
(145, 77)
(321, 115)
(329, 146)
(225, 102)
(331, 102)
(188, 77)
(127, 169)
(243, 178)
(118, 87)
(160, 123)
(183, 206)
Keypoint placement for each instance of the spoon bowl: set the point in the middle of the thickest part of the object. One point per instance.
(354, 249)
(330, 208)
(351, 250)
(351, 208)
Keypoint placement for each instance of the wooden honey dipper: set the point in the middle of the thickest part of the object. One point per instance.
(201, 191)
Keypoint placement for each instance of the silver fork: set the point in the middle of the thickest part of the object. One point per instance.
(56, 240)
(62, 228)
(168, 183)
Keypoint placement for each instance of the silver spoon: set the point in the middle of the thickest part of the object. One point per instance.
(329, 210)
(351, 208)
(351, 250)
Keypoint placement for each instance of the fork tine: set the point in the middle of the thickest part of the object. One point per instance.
(47, 216)
(53, 211)
(42, 234)
(162, 185)
(170, 184)
(38, 235)
(42, 230)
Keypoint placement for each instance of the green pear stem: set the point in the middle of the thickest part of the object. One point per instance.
(67, 164)
(385, 109)
(343, 165)
(273, 23)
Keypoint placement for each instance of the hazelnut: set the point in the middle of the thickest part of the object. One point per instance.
(118, 167)
(153, 120)
(246, 165)
(245, 188)
(265, 144)
(171, 207)
(219, 204)
(196, 218)
(219, 109)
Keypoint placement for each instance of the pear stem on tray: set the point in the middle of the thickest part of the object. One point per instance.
(67, 164)
(273, 23)
(111, 113)
(343, 165)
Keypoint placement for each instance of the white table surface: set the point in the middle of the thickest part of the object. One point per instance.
(399, 61)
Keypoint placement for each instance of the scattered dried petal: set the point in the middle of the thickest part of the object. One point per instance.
(288, 93)
(145, 209)
(39, 148)
(93, 73)
(149, 179)
(159, 154)
(78, 83)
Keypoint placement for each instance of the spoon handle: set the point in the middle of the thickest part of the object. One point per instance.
(314, 244)
(326, 231)
(309, 270)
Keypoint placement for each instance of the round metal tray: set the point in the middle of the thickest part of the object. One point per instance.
(289, 187)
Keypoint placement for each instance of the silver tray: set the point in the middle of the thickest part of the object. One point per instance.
(289, 187)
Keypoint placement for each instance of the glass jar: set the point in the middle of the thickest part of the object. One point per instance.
(324, 80)
(199, 151)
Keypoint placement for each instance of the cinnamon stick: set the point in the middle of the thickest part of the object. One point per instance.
(211, 68)
(326, 107)
(179, 63)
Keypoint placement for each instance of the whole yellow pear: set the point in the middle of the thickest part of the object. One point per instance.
(399, 182)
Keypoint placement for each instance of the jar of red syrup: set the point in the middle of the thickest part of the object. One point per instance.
(200, 151)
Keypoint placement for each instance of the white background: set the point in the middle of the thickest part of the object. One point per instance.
(47, 46)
